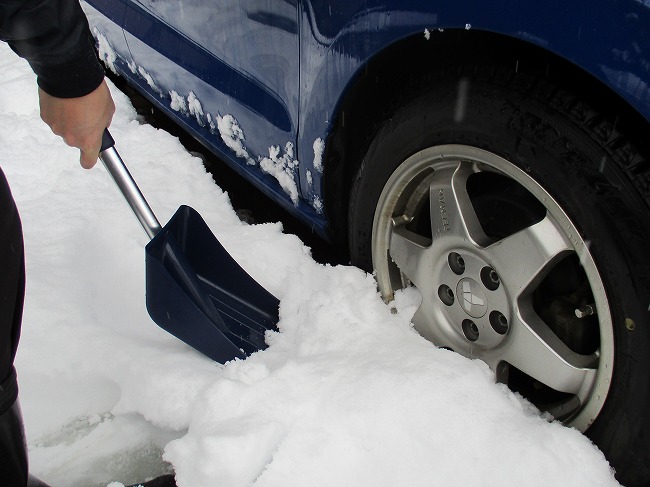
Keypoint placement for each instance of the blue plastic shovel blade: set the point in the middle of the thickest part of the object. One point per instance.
(197, 292)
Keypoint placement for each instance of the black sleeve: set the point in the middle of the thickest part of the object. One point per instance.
(54, 37)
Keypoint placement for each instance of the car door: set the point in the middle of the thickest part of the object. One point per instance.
(229, 70)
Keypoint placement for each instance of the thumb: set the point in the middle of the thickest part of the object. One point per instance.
(88, 158)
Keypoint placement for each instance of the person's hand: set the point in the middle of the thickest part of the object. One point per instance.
(80, 121)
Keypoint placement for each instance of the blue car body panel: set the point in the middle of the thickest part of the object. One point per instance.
(271, 74)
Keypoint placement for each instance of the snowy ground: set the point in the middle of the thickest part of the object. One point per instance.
(346, 395)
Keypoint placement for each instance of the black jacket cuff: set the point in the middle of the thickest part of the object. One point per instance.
(78, 76)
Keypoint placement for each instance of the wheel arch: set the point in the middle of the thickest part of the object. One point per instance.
(408, 65)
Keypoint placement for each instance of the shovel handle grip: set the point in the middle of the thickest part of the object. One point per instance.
(120, 174)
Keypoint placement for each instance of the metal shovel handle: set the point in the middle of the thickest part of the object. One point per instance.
(117, 169)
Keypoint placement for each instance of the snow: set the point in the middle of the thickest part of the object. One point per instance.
(282, 166)
(347, 394)
(177, 103)
(195, 108)
(317, 204)
(319, 150)
(149, 79)
(105, 50)
(233, 136)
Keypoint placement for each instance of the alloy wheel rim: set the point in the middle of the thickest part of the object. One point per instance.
(479, 293)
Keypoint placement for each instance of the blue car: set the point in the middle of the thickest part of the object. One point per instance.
(492, 155)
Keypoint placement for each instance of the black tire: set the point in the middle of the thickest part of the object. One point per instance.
(528, 155)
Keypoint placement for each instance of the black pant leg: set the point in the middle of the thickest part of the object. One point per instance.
(12, 292)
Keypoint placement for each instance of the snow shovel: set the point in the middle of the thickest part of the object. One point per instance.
(194, 289)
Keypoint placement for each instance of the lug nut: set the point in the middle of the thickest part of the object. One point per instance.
(499, 322)
(470, 330)
(446, 295)
(490, 278)
(456, 263)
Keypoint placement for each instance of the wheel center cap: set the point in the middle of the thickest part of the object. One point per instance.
(471, 297)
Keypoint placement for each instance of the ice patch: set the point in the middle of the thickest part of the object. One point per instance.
(233, 136)
(106, 52)
(427, 34)
(282, 167)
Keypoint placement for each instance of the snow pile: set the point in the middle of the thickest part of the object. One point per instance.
(346, 395)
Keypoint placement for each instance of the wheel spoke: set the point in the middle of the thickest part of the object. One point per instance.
(407, 249)
(452, 212)
(538, 352)
(429, 329)
(523, 258)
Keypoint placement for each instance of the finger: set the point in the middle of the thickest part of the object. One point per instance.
(88, 158)
(90, 151)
